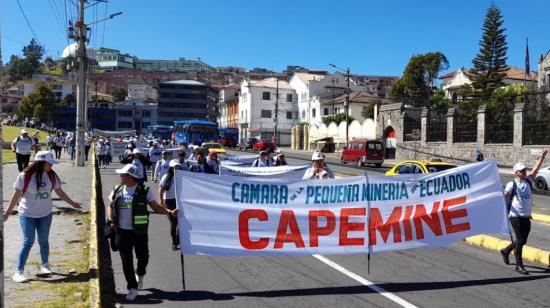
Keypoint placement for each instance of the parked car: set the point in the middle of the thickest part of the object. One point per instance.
(542, 179)
(419, 166)
(213, 146)
(263, 145)
(247, 143)
(363, 152)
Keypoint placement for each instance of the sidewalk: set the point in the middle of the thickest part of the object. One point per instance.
(69, 233)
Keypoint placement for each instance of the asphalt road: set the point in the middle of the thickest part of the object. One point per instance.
(457, 276)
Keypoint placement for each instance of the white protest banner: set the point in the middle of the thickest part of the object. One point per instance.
(246, 159)
(257, 216)
(113, 133)
(279, 172)
(117, 148)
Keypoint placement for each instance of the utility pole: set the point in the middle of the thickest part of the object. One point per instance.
(1, 185)
(276, 120)
(81, 30)
(347, 107)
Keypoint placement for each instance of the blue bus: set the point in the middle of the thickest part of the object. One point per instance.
(160, 131)
(195, 132)
(228, 136)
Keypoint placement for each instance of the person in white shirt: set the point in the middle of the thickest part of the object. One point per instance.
(22, 146)
(155, 154)
(319, 170)
(161, 167)
(519, 197)
(167, 196)
(33, 189)
(128, 216)
(102, 153)
(263, 160)
(58, 145)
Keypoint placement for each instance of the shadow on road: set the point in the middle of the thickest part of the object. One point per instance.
(156, 296)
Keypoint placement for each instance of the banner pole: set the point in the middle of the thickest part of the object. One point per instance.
(182, 271)
(368, 226)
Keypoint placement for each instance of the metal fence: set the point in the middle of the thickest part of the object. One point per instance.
(536, 120)
(411, 123)
(436, 130)
(499, 122)
(465, 124)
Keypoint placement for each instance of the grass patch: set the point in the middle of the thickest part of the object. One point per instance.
(7, 156)
(11, 132)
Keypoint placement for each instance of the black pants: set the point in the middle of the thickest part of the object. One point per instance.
(22, 161)
(174, 232)
(57, 149)
(127, 241)
(522, 227)
(86, 151)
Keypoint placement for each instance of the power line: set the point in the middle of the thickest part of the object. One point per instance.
(57, 17)
(27, 20)
(104, 25)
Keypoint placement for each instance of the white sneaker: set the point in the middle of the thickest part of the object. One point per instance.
(45, 269)
(132, 293)
(140, 282)
(19, 276)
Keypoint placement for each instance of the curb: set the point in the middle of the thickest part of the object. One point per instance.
(541, 218)
(95, 291)
(532, 254)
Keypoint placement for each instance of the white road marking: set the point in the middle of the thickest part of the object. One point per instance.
(396, 299)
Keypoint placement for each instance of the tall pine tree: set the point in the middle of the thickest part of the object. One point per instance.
(490, 62)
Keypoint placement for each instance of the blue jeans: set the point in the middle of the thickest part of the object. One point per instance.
(28, 226)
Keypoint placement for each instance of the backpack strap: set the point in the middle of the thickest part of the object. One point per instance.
(26, 181)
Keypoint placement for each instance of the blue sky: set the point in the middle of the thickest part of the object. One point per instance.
(370, 37)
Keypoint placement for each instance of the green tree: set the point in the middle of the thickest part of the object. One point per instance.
(49, 63)
(438, 101)
(34, 53)
(490, 62)
(68, 100)
(19, 69)
(341, 117)
(368, 112)
(418, 81)
(119, 94)
(40, 104)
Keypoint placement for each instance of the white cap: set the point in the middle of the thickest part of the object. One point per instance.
(174, 162)
(278, 151)
(131, 170)
(136, 151)
(24, 131)
(45, 156)
(317, 156)
(519, 167)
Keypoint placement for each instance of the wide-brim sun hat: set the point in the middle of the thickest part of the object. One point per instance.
(317, 156)
(131, 170)
(174, 163)
(136, 151)
(519, 167)
(45, 156)
(24, 131)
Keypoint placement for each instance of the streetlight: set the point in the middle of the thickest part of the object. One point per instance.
(346, 103)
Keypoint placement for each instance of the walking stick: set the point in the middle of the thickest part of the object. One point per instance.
(368, 226)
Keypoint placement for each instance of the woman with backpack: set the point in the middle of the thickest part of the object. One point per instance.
(167, 195)
(33, 189)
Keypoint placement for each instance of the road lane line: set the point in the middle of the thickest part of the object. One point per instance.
(396, 299)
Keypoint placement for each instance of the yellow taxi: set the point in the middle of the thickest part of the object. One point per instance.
(419, 166)
(213, 146)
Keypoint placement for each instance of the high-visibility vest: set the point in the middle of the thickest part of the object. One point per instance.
(140, 214)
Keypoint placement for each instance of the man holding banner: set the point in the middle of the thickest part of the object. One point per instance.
(319, 170)
(518, 195)
(128, 216)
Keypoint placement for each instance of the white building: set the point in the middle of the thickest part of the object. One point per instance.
(59, 87)
(140, 90)
(132, 113)
(311, 88)
(544, 72)
(257, 104)
(453, 81)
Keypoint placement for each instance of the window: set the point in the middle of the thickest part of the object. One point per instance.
(296, 115)
(266, 114)
(146, 113)
(313, 113)
(266, 96)
(125, 113)
(325, 111)
(355, 146)
(241, 114)
(374, 146)
(303, 114)
(289, 115)
(404, 169)
(289, 97)
(360, 146)
(124, 124)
